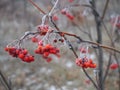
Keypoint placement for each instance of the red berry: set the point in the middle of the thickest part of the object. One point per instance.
(49, 60)
(6, 49)
(46, 54)
(114, 66)
(55, 41)
(63, 11)
(31, 58)
(71, 17)
(34, 39)
(87, 81)
(21, 56)
(37, 51)
(17, 51)
(62, 40)
(83, 50)
(55, 17)
(24, 51)
(26, 58)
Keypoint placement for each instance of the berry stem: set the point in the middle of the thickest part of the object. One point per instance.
(90, 42)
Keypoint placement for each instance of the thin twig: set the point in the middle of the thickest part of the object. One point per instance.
(117, 61)
(107, 69)
(34, 4)
(105, 9)
(90, 78)
(55, 5)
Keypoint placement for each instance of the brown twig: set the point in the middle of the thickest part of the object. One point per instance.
(90, 78)
(34, 4)
(90, 42)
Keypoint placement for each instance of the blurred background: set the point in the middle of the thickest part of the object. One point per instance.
(19, 16)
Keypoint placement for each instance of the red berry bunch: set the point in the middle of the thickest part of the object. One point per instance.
(12, 51)
(113, 66)
(85, 63)
(20, 53)
(67, 14)
(46, 50)
(43, 29)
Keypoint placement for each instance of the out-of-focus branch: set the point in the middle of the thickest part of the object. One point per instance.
(117, 61)
(107, 69)
(4, 81)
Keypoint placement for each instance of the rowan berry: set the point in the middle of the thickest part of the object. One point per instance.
(34, 39)
(21, 56)
(87, 81)
(62, 40)
(24, 51)
(31, 58)
(17, 51)
(63, 11)
(55, 40)
(6, 48)
(55, 17)
(71, 17)
(49, 60)
(83, 50)
(26, 59)
(46, 54)
(113, 66)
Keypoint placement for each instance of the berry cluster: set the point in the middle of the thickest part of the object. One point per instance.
(43, 29)
(20, 53)
(85, 63)
(67, 14)
(46, 50)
